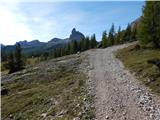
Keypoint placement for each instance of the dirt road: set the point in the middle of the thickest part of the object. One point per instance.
(118, 95)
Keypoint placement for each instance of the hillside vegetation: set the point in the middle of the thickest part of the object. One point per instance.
(144, 58)
(136, 60)
(53, 89)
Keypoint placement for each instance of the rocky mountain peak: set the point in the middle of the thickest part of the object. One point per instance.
(76, 35)
(73, 30)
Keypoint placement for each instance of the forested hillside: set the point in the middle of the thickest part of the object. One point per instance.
(144, 57)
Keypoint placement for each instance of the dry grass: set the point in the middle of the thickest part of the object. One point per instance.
(136, 61)
(56, 88)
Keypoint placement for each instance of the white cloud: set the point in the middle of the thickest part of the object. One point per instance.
(13, 25)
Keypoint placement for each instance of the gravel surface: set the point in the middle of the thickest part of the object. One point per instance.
(117, 93)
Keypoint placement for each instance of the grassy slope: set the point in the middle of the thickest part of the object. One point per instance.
(136, 61)
(55, 87)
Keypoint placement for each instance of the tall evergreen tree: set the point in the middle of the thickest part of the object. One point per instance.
(127, 34)
(111, 35)
(54, 53)
(68, 49)
(104, 39)
(149, 28)
(87, 43)
(71, 47)
(93, 41)
(75, 46)
(157, 9)
(134, 34)
(4, 56)
(82, 44)
(18, 58)
(45, 55)
(118, 36)
(11, 64)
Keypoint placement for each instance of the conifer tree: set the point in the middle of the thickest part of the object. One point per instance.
(75, 46)
(134, 34)
(157, 9)
(149, 28)
(127, 34)
(18, 58)
(104, 39)
(87, 43)
(111, 35)
(45, 55)
(118, 36)
(93, 41)
(11, 64)
(82, 44)
(68, 49)
(71, 47)
(54, 53)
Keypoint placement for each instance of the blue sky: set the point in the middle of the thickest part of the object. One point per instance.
(45, 20)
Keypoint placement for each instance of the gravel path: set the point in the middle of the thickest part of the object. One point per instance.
(118, 95)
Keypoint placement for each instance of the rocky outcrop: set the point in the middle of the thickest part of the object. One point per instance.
(135, 23)
(76, 35)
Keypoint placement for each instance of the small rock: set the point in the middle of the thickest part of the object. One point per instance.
(80, 114)
(44, 115)
(76, 118)
(107, 117)
(77, 105)
(61, 113)
(151, 116)
(10, 116)
(124, 113)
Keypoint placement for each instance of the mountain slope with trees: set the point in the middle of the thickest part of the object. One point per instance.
(144, 57)
(149, 27)
(37, 48)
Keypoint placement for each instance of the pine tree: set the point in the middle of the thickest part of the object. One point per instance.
(18, 58)
(59, 53)
(45, 55)
(157, 9)
(82, 44)
(71, 47)
(111, 35)
(118, 36)
(11, 64)
(134, 34)
(149, 28)
(75, 46)
(104, 39)
(54, 53)
(4, 56)
(87, 43)
(127, 34)
(68, 49)
(93, 41)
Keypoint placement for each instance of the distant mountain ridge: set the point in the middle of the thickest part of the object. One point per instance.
(35, 46)
(25, 43)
